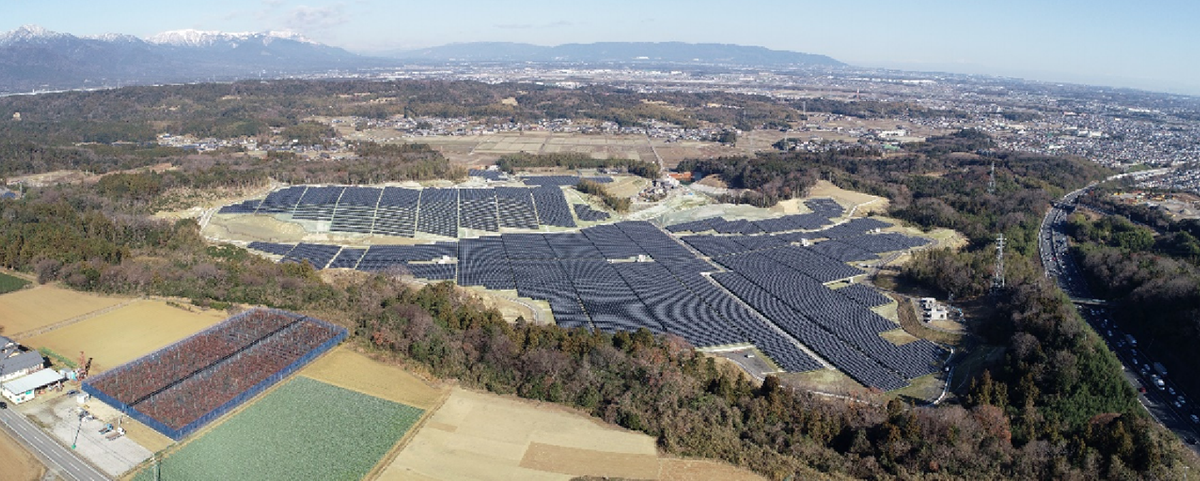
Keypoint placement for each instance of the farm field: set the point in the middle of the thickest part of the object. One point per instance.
(11, 283)
(45, 305)
(17, 462)
(305, 429)
(125, 334)
(345, 368)
(485, 436)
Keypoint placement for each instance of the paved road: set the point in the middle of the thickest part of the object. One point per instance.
(55, 456)
(1059, 264)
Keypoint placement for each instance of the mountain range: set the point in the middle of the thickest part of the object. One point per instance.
(33, 58)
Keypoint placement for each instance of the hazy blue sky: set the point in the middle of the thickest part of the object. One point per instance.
(1153, 44)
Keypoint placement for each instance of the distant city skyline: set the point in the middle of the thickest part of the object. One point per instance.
(1120, 44)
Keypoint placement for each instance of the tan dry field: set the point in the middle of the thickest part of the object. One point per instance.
(16, 463)
(866, 203)
(120, 336)
(346, 368)
(484, 436)
(41, 306)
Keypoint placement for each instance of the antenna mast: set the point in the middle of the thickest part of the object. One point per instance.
(998, 276)
(992, 179)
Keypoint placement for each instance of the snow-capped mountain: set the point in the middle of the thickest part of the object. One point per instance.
(209, 38)
(29, 34)
(33, 58)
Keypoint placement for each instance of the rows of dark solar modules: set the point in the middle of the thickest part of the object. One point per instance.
(487, 174)
(482, 262)
(825, 207)
(347, 259)
(381, 257)
(272, 248)
(562, 180)
(866, 295)
(397, 212)
(317, 203)
(676, 308)
(552, 208)
(607, 299)
(701, 225)
(527, 246)
(714, 246)
(836, 249)
(246, 207)
(516, 208)
(660, 246)
(477, 209)
(356, 210)
(433, 272)
(802, 259)
(282, 201)
(588, 214)
(853, 323)
(317, 255)
(793, 222)
(845, 358)
(741, 226)
(545, 279)
(612, 242)
(771, 342)
(574, 245)
(439, 212)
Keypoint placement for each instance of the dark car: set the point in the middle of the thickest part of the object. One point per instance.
(3, 405)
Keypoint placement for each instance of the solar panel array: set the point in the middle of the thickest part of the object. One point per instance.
(516, 209)
(356, 210)
(272, 248)
(825, 207)
(396, 211)
(632, 275)
(562, 180)
(494, 175)
(439, 212)
(477, 210)
(587, 214)
(317, 255)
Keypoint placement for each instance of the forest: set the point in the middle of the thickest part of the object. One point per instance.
(511, 163)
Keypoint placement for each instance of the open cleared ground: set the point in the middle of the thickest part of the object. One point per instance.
(345, 368)
(15, 462)
(484, 436)
(305, 429)
(125, 334)
(31, 309)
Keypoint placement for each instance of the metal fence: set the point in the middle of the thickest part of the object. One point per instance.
(340, 335)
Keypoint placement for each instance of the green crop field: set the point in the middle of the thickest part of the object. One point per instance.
(9, 283)
(305, 429)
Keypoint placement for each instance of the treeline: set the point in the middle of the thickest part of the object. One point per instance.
(619, 204)
(1153, 282)
(253, 108)
(696, 407)
(511, 163)
(938, 183)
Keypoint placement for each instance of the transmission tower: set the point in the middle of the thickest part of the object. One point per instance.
(998, 275)
(992, 179)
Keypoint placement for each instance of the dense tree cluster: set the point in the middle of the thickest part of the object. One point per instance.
(619, 204)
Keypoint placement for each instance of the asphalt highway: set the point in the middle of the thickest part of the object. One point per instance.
(56, 457)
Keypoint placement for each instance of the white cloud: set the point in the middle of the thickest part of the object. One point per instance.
(307, 19)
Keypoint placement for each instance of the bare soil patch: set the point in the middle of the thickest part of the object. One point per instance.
(345, 368)
(41, 306)
(128, 333)
(17, 462)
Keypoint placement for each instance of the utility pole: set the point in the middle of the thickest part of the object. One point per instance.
(998, 275)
